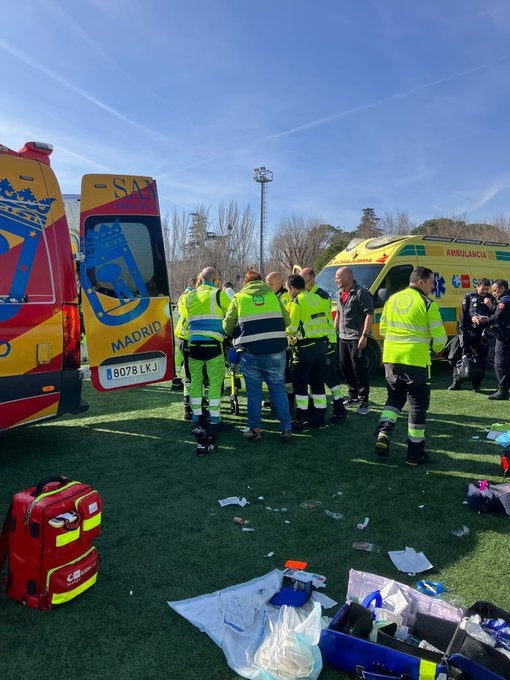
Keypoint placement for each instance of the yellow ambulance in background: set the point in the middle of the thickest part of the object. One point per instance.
(383, 265)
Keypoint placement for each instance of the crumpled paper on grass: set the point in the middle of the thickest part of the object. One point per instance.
(409, 561)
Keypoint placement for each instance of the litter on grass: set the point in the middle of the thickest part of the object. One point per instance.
(409, 561)
(463, 531)
(312, 503)
(363, 525)
(233, 500)
(334, 515)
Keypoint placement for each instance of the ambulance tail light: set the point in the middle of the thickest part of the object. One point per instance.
(71, 329)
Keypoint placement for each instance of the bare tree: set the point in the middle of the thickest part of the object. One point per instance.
(194, 241)
(234, 247)
(396, 223)
(298, 241)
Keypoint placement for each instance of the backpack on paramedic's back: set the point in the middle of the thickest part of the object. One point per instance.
(485, 497)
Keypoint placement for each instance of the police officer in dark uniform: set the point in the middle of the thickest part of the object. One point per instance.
(478, 303)
(500, 323)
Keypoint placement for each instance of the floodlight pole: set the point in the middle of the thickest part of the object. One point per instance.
(262, 175)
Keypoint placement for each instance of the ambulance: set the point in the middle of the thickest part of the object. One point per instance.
(383, 265)
(119, 268)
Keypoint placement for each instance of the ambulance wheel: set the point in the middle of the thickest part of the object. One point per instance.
(234, 405)
(372, 355)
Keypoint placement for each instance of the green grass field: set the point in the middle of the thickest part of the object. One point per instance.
(166, 538)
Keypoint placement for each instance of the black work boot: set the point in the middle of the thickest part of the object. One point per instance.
(177, 384)
(301, 420)
(318, 418)
(416, 454)
(212, 435)
(500, 395)
(202, 432)
(339, 412)
(382, 443)
(188, 411)
(199, 429)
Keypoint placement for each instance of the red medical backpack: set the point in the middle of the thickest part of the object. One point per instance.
(47, 538)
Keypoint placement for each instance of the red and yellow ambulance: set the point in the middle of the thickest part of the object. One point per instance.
(123, 280)
(383, 265)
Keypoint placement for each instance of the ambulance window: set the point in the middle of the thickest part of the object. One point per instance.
(124, 257)
(397, 278)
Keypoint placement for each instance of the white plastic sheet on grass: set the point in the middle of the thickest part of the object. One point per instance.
(240, 621)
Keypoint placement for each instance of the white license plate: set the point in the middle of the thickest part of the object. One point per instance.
(132, 373)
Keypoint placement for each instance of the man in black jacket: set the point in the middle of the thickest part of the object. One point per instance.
(478, 303)
(500, 322)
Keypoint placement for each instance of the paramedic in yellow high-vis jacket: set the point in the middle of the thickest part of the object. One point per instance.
(410, 324)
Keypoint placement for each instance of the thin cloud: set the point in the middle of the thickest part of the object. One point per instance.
(338, 116)
(74, 26)
(82, 158)
(18, 54)
(497, 187)
(318, 122)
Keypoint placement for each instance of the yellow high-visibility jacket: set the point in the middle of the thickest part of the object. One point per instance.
(410, 322)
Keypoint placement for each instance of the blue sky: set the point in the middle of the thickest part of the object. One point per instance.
(397, 105)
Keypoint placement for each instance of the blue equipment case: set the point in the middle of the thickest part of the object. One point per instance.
(345, 645)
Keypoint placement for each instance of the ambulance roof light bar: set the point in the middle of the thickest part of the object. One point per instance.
(37, 151)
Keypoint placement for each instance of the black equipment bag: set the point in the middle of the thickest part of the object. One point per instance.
(453, 350)
(469, 367)
(489, 497)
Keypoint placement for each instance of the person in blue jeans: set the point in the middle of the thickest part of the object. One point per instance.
(256, 320)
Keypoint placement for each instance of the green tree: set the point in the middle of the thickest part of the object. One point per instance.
(338, 243)
(369, 225)
(438, 226)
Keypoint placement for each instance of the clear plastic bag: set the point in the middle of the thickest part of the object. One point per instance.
(290, 649)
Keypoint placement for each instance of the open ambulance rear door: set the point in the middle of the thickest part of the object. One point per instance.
(124, 282)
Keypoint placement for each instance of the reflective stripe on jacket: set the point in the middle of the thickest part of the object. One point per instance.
(260, 321)
(308, 316)
(409, 322)
(332, 337)
(181, 328)
(203, 313)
